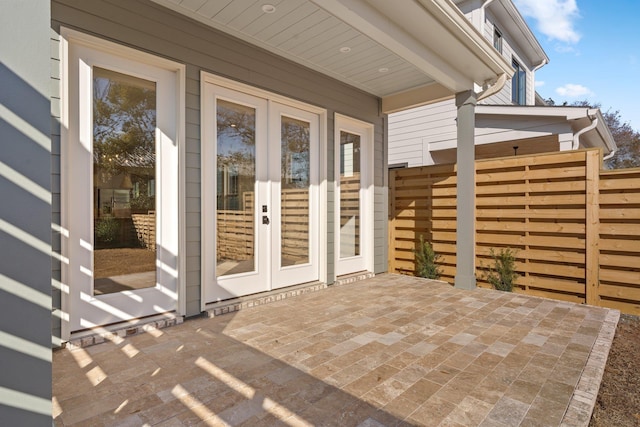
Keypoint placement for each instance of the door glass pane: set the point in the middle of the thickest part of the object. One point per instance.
(349, 195)
(124, 172)
(236, 181)
(295, 179)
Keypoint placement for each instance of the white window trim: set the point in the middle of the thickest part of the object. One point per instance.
(67, 36)
(209, 78)
(349, 124)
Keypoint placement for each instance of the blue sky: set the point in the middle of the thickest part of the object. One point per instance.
(594, 52)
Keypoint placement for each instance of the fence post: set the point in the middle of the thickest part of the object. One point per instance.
(592, 258)
(392, 222)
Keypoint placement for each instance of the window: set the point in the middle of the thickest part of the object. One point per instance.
(519, 84)
(497, 39)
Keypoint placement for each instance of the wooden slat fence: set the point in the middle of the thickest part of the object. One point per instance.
(576, 229)
(145, 229)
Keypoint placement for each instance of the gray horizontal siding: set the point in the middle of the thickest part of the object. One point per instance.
(152, 28)
(56, 241)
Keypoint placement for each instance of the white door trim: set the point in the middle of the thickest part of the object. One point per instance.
(365, 261)
(70, 132)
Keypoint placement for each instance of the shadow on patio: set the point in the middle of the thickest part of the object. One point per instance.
(392, 350)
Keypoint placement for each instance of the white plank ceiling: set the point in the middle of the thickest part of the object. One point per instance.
(303, 32)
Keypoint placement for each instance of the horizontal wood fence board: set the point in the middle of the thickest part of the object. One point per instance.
(620, 198)
(617, 244)
(620, 276)
(539, 175)
(621, 229)
(534, 187)
(550, 213)
(620, 292)
(630, 307)
(620, 260)
(553, 284)
(555, 227)
(614, 212)
(533, 200)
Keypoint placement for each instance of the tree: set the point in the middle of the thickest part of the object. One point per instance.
(627, 139)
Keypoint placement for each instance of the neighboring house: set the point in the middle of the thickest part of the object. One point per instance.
(514, 120)
(162, 156)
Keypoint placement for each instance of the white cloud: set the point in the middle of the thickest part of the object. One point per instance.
(555, 18)
(573, 91)
(539, 83)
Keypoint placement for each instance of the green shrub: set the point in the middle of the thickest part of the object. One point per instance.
(502, 275)
(426, 261)
(107, 229)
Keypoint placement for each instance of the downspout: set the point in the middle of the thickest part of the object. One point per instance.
(610, 155)
(494, 88)
(576, 137)
(540, 65)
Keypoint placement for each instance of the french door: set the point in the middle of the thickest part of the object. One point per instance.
(260, 197)
(120, 184)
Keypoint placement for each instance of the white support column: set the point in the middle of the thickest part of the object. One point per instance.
(466, 218)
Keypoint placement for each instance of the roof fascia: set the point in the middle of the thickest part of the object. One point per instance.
(565, 113)
(568, 113)
(605, 132)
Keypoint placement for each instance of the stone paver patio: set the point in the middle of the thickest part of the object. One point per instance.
(387, 351)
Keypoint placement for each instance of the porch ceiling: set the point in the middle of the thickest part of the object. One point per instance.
(408, 53)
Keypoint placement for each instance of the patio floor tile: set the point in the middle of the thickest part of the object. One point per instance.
(387, 351)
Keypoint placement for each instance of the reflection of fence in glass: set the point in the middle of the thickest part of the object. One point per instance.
(350, 215)
(235, 230)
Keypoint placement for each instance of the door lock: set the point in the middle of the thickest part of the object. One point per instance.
(265, 220)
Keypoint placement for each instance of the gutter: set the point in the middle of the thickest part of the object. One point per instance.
(576, 137)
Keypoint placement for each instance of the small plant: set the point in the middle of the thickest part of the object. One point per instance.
(502, 276)
(107, 229)
(426, 261)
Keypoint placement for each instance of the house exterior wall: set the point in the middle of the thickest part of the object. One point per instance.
(149, 27)
(510, 50)
(25, 215)
(414, 133)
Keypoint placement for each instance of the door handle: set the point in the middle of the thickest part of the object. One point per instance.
(265, 220)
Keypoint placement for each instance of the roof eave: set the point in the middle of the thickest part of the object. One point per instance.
(565, 113)
(457, 59)
(536, 53)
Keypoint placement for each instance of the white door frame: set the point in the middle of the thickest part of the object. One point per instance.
(364, 261)
(208, 247)
(79, 53)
